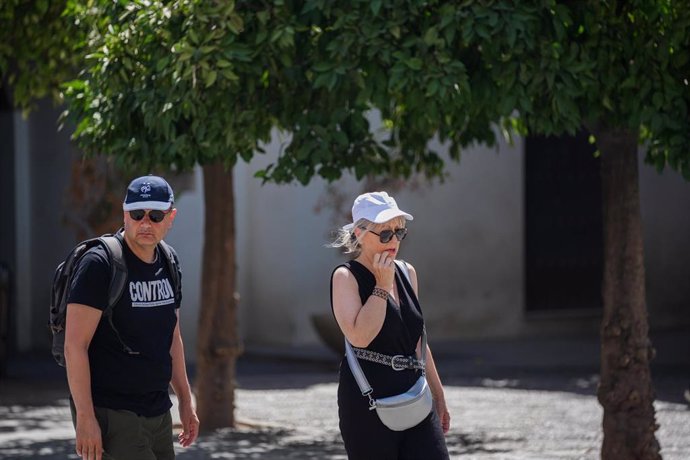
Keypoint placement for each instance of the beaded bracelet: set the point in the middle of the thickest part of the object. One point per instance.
(378, 292)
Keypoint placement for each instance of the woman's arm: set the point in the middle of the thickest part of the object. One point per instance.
(436, 387)
(432, 376)
(359, 323)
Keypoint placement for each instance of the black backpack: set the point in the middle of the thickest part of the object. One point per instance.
(62, 282)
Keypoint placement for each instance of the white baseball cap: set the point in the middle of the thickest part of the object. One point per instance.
(376, 207)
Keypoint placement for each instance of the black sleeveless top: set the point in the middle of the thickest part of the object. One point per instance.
(399, 334)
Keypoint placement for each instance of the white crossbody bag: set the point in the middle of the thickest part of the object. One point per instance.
(402, 411)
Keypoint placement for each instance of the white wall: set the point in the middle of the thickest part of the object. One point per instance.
(42, 161)
(467, 243)
(187, 237)
(665, 205)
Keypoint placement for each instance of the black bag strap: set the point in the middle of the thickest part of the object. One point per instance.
(174, 268)
(118, 278)
(118, 275)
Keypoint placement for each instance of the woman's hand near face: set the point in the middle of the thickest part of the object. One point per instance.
(384, 270)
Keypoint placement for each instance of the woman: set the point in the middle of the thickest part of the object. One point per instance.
(376, 307)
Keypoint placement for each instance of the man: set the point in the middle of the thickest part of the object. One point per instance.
(120, 402)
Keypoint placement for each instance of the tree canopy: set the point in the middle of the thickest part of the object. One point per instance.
(176, 83)
(38, 40)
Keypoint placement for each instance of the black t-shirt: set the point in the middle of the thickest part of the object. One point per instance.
(145, 318)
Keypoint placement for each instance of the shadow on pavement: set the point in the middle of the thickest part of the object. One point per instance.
(43, 450)
(35, 421)
(262, 443)
(545, 364)
(275, 443)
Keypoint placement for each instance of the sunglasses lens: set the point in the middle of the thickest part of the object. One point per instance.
(156, 216)
(401, 233)
(386, 235)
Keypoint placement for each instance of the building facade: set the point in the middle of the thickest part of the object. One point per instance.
(507, 246)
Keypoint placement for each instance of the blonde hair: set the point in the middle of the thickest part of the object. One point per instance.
(346, 238)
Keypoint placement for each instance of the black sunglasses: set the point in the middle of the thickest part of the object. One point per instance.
(155, 215)
(386, 235)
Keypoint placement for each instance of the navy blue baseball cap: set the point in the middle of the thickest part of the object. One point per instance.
(148, 192)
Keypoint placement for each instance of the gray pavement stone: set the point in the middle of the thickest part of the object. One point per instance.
(301, 423)
(502, 408)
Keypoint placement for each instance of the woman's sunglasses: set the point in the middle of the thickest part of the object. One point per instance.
(386, 235)
(155, 215)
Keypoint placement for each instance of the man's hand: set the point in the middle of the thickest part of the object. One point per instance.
(89, 441)
(190, 425)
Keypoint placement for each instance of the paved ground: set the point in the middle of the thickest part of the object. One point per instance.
(509, 400)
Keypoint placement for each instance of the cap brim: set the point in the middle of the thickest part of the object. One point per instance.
(388, 214)
(384, 216)
(157, 205)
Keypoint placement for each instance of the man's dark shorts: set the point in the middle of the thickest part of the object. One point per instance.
(128, 436)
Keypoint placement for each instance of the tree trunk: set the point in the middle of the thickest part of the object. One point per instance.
(218, 344)
(625, 390)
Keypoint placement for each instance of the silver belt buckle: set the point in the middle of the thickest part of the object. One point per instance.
(397, 368)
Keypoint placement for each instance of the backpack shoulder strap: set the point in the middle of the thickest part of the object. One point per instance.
(174, 269)
(118, 278)
(118, 274)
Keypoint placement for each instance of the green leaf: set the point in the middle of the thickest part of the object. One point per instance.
(210, 78)
(263, 16)
(414, 63)
(228, 74)
(323, 66)
(431, 36)
(162, 63)
(375, 7)
(193, 37)
(322, 80)
(236, 24)
(341, 138)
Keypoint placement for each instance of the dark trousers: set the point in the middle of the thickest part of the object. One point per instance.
(366, 438)
(128, 436)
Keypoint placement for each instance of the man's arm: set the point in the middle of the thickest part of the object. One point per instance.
(81, 323)
(180, 384)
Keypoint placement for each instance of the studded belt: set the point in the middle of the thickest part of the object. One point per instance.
(397, 362)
